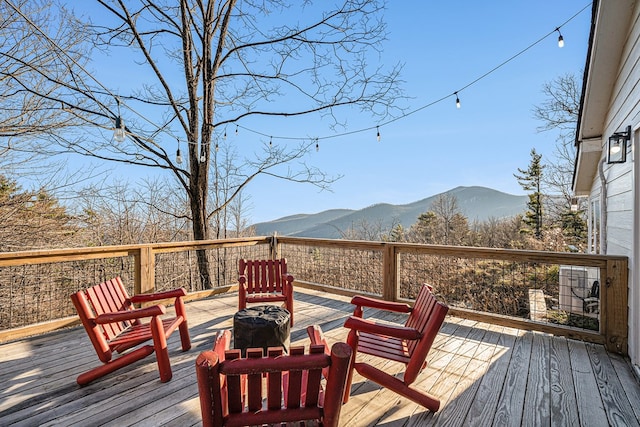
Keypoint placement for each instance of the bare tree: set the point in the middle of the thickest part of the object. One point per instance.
(235, 60)
(560, 112)
(379, 229)
(28, 108)
(453, 225)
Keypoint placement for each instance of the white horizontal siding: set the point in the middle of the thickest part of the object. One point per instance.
(623, 111)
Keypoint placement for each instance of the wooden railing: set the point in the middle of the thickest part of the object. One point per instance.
(465, 277)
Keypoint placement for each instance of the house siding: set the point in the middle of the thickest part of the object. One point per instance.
(619, 221)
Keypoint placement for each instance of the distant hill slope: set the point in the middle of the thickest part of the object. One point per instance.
(477, 203)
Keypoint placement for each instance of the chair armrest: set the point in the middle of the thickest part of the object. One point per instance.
(363, 301)
(287, 278)
(364, 325)
(174, 293)
(120, 316)
(242, 279)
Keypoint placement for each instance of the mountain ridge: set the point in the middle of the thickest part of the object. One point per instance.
(475, 202)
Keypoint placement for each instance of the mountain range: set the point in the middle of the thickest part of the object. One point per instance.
(476, 203)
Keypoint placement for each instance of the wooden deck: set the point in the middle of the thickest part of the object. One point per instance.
(484, 375)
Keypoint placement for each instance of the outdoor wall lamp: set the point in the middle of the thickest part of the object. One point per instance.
(617, 149)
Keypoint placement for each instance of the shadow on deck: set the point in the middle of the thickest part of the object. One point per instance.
(484, 374)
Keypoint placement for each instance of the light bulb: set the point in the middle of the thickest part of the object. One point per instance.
(378, 133)
(119, 134)
(203, 159)
(178, 157)
(457, 101)
(560, 38)
(615, 148)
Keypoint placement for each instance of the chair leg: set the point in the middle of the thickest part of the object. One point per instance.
(398, 386)
(289, 304)
(107, 368)
(160, 345)
(352, 340)
(185, 339)
(242, 298)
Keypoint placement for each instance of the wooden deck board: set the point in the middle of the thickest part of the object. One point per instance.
(564, 410)
(483, 374)
(537, 398)
(590, 408)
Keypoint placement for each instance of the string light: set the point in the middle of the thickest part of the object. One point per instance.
(120, 131)
(270, 141)
(317, 145)
(225, 134)
(203, 158)
(560, 38)
(119, 134)
(178, 155)
(378, 133)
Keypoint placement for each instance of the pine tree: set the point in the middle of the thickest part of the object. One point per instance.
(530, 180)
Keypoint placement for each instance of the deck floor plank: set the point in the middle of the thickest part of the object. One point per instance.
(615, 400)
(537, 401)
(511, 401)
(484, 404)
(483, 374)
(590, 409)
(628, 382)
(564, 408)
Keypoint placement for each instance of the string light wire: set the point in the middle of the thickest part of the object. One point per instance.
(432, 103)
(326, 137)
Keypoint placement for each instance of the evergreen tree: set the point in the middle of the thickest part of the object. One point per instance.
(31, 219)
(574, 228)
(530, 180)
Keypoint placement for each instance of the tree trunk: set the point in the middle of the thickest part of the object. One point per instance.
(200, 232)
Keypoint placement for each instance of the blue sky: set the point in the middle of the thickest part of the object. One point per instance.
(445, 46)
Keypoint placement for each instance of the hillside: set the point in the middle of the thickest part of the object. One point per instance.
(476, 203)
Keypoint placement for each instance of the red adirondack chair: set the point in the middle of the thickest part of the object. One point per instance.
(265, 281)
(232, 392)
(113, 325)
(408, 344)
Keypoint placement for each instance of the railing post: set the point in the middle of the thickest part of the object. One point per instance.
(274, 247)
(390, 273)
(144, 271)
(614, 306)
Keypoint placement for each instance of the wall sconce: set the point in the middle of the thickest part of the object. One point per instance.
(575, 204)
(617, 148)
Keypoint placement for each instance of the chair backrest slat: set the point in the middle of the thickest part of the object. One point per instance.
(254, 383)
(274, 382)
(264, 276)
(313, 381)
(234, 386)
(294, 391)
(108, 297)
(427, 316)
